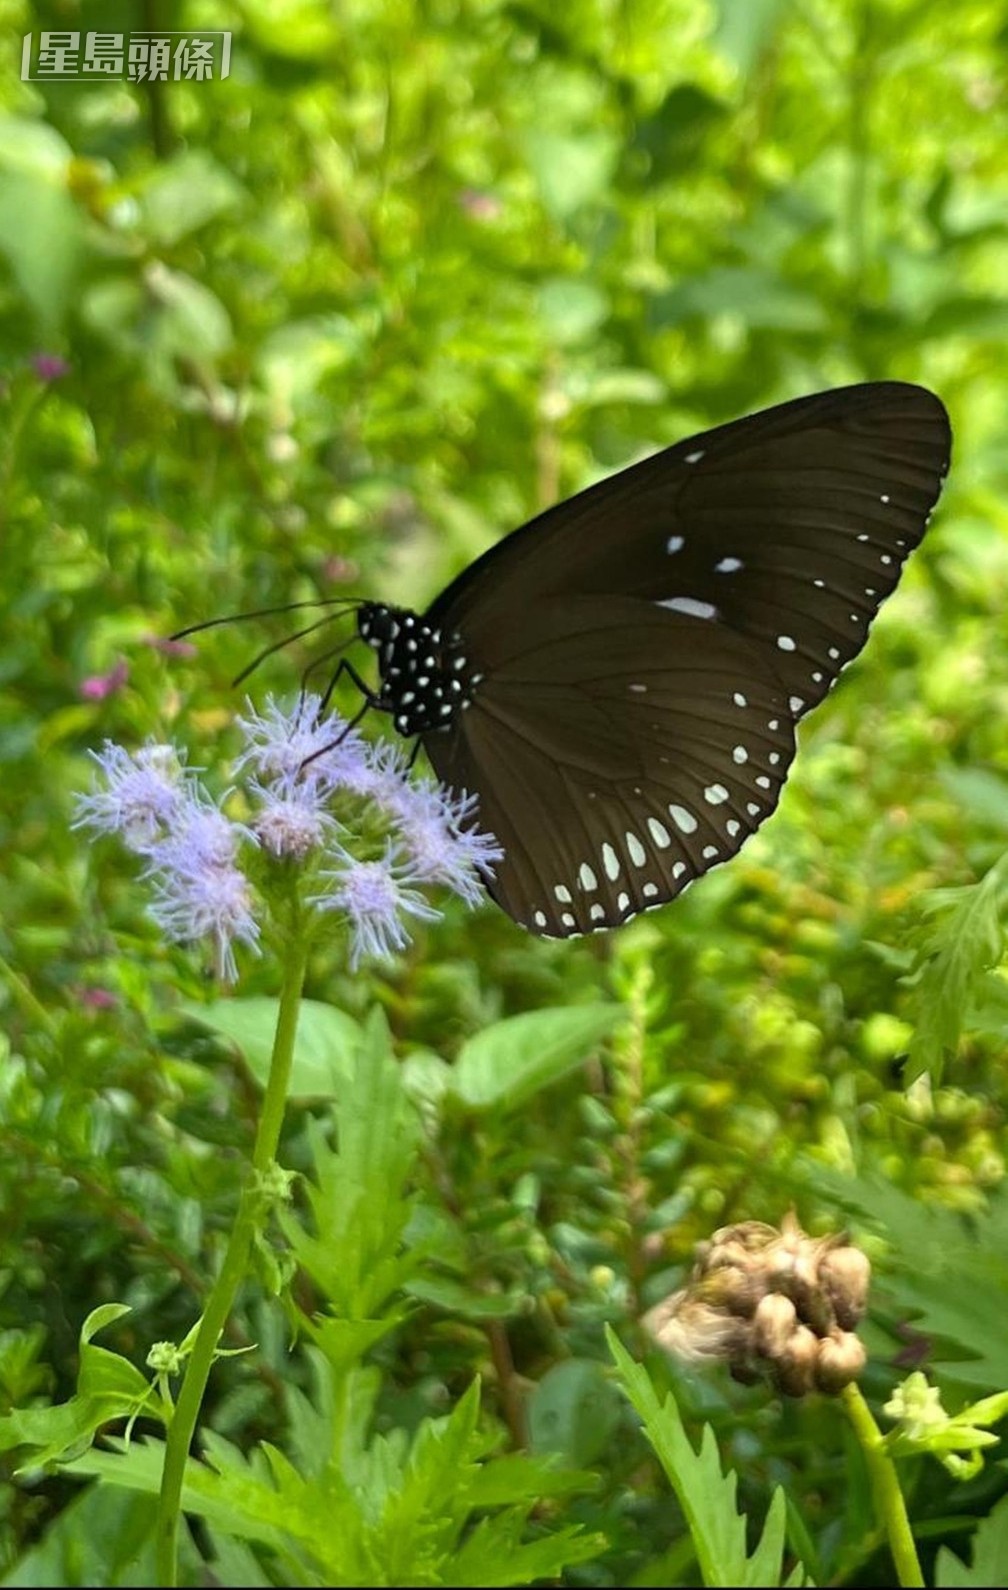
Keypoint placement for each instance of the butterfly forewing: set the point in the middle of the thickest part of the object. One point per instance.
(644, 649)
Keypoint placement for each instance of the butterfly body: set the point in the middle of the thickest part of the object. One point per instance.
(619, 681)
(426, 677)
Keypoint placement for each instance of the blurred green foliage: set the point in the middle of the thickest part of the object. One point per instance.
(412, 272)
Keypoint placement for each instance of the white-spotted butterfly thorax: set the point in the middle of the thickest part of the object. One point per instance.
(619, 681)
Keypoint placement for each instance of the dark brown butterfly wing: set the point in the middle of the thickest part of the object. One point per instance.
(614, 762)
(616, 632)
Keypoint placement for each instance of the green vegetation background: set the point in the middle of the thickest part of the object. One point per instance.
(412, 273)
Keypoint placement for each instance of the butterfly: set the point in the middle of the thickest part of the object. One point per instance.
(619, 681)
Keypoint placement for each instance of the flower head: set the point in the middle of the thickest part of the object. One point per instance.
(438, 833)
(283, 746)
(291, 820)
(376, 898)
(213, 902)
(772, 1299)
(142, 797)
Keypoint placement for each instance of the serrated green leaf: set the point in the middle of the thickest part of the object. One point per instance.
(989, 1564)
(965, 941)
(705, 1493)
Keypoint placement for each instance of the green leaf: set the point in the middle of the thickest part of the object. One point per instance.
(965, 941)
(456, 1298)
(184, 193)
(571, 170)
(41, 229)
(574, 1411)
(355, 1246)
(573, 310)
(507, 1063)
(102, 1537)
(706, 1495)
(323, 1049)
(744, 31)
(989, 1565)
(108, 1387)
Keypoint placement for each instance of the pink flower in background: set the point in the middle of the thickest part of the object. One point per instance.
(49, 366)
(169, 647)
(97, 686)
(480, 205)
(96, 998)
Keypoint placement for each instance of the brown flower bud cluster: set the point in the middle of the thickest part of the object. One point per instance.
(771, 1300)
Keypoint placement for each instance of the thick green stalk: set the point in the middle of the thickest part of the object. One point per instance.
(232, 1271)
(889, 1503)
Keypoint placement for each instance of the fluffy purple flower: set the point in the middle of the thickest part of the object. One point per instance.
(279, 743)
(143, 794)
(376, 898)
(291, 820)
(200, 838)
(438, 833)
(205, 902)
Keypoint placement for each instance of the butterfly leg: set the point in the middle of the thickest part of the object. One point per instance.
(371, 699)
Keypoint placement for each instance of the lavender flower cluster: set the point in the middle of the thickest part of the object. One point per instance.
(297, 766)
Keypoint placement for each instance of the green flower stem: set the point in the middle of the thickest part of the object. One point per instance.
(232, 1271)
(889, 1503)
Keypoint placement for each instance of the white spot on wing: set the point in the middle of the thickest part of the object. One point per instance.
(684, 820)
(674, 544)
(733, 827)
(739, 699)
(650, 890)
(690, 605)
(638, 855)
(739, 755)
(539, 918)
(587, 878)
(640, 689)
(610, 861)
(714, 794)
(568, 919)
(597, 912)
(785, 643)
(622, 901)
(729, 566)
(694, 458)
(562, 893)
(678, 869)
(709, 852)
(659, 833)
(795, 703)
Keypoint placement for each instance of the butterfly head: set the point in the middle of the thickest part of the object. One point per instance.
(426, 677)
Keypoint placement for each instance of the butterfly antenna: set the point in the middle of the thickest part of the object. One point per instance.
(288, 640)
(349, 603)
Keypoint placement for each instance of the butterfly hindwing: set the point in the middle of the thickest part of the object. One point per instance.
(614, 762)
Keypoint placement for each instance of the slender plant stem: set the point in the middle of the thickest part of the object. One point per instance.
(232, 1271)
(889, 1503)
